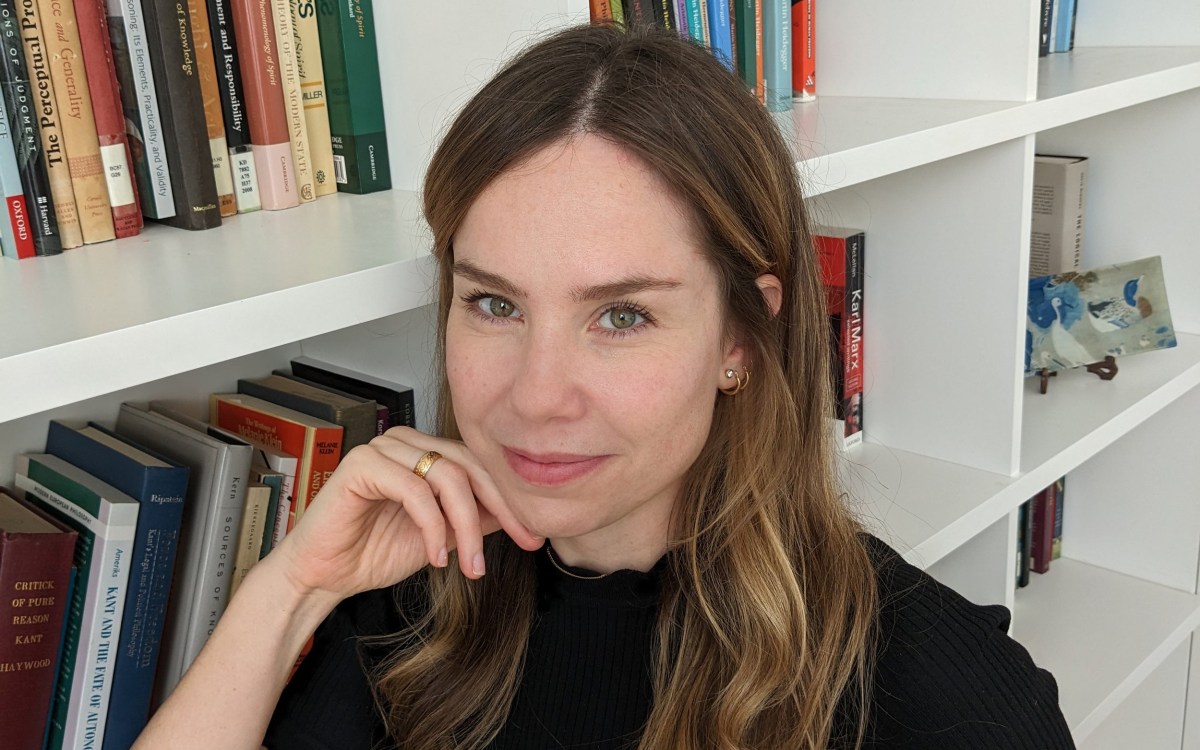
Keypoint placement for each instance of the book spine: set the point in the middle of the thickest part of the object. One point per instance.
(744, 20)
(16, 237)
(1054, 15)
(1043, 529)
(804, 51)
(1044, 29)
(293, 98)
(109, 119)
(356, 120)
(250, 538)
(1062, 25)
(695, 29)
(233, 105)
(1074, 201)
(253, 23)
(1060, 496)
(35, 573)
(853, 338)
(185, 133)
(74, 101)
(139, 99)
(37, 58)
(312, 85)
(600, 10)
(323, 451)
(777, 54)
(210, 97)
(719, 32)
(681, 18)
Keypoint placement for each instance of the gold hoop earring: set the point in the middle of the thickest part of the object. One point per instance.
(741, 381)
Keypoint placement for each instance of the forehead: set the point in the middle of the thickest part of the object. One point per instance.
(580, 211)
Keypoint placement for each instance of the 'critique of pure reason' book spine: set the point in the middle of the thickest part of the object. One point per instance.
(27, 140)
(777, 54)
(233, 106)
(16, 238)
(185, 133)
(54, 152)
(312, 86)
(360, 150)
(211, 97)
(109, 118)
(78, 125)
(139, 97)
(106, 520)
(804, 51)
(253, 23)
(293, 99)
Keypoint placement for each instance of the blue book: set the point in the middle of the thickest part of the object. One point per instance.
(159, 487)
(777, 54)
(1062, 25)
(720, 35)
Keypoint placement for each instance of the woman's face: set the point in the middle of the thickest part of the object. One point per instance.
(585, 343)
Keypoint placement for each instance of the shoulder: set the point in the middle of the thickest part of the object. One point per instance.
(946, 672)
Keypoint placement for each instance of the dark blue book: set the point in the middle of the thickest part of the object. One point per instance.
(159, 486)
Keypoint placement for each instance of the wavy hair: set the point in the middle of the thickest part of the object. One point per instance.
(765, 631)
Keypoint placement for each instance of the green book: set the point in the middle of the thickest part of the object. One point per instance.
(355, 97)
(745, 13)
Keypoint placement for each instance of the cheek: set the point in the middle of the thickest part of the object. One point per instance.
(474, 372)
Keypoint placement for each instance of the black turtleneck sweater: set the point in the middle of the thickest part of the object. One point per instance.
(947, 674)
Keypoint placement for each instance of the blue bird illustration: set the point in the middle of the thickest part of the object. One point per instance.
(1115, 314)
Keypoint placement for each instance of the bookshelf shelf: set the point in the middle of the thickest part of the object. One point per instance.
(1100, 633)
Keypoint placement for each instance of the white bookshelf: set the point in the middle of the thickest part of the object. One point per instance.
(924, 135)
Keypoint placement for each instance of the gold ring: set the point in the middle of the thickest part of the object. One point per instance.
(426, 461)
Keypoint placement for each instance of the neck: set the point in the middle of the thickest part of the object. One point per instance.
(614, 548)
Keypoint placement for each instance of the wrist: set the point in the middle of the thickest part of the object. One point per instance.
(293, 593)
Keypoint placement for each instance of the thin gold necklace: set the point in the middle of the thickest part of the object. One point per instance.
(564, 571)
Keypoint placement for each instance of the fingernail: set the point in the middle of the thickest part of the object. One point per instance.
(443, 558)
(478, 564)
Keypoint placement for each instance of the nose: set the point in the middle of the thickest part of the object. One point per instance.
(551, 376)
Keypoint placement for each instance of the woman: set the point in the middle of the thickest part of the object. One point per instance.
(628, 533)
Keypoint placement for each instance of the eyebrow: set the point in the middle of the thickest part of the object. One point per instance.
(619, 288)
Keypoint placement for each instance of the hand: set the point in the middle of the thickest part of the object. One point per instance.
(375, 522)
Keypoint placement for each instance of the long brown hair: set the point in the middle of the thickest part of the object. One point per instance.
(765, 625)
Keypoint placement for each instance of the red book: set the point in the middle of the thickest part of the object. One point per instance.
(254, 30)
(36, 553)
(840, 252)
(92, 18)
(1043, 509)
(18, 216)
(317, 443)
(804, 50)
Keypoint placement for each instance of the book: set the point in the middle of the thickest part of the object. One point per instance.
(315, 442)
(171, 50)
(73, 98)
(1059, 201)
(1064, 20)
(1042, 540)
(273, 481)
(356, 121)
(253, 22)
(159, 486)
(748, 20)
(211, 514)
(719, 33)
(1079, 318)
(1024, 543)
(36, 556)
(106, 521)
(115, 157)
(1060, 491)
(293, 99)
(840, 251)
(210, 97)
(355, 415)
(139, 100)
(37, 59)
(396, 397)
(233, 106)
(777, 54)
(250, 540)
(312, 85)
(1044, 28)
(381, 412)
(268, 461)
(804, 51)
(16, 236)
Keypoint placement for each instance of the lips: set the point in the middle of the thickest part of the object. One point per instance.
(551, 469)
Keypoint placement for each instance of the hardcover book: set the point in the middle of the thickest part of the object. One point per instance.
(719, 36)
(293, 99)
(1043, 509)
(1060, 496)
(777, 54)
(312, 85)
(80, 142)
(116, 159)
(1059, 198)
(233, 105)
(16, 236)
(396, 397)
(749, 22)
(260, 473)
(249, 545)
(1077, 319)
(840, 251)
(804, 51)
(36, 555)
(360, 149)
(159, 487)
(210, 96)
(106, 520)
(355, 415)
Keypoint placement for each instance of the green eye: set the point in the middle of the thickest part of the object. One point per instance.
(500, 307)
(620, 318)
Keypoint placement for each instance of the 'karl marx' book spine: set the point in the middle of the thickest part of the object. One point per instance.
(211, 96)
(54, 152)
(139, 98)
(254, 28)
(27, 141)
(173, 57)
(109, 118)
(293, 100)
(72, 94)
(16, 238)
(233, 106)
(312, 86)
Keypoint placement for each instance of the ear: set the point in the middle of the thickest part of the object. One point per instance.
(772, 290)
(736, 355)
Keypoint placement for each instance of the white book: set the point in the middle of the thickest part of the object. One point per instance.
(1059, 196)
(106, 520)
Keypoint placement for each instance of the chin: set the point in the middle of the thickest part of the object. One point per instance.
(552, 517)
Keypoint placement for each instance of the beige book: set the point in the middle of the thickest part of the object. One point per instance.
(293, 101)
(38, 59)
(312, 88)
(76, 120)
(254, 515)
(210, 93)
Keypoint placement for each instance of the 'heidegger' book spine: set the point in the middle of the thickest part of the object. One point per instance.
(233, 105)
(16, 239)
(211, 97)
(27, 141)
(109, 118)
